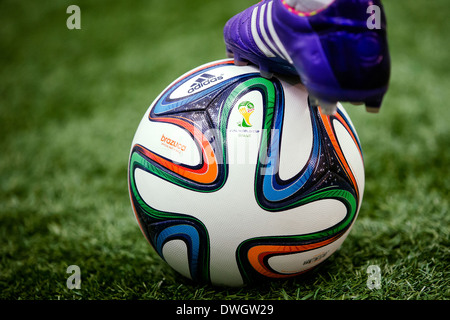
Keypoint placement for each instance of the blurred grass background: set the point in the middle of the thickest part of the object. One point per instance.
(71, 100)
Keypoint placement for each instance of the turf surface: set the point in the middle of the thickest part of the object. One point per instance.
(71, 100)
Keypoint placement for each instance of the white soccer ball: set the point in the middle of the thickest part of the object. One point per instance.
(235, 178)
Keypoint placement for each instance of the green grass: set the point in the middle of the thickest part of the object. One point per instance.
(71, 100)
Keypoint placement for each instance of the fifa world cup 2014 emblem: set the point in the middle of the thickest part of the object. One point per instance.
(246, 109)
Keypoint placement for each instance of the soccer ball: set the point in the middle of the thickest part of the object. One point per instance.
(235, 178)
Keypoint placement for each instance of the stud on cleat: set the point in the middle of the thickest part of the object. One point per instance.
(372, 109)
(313, 101)
(265, 73)
(373, 106)
(328, 108)
(230, 54)
(240, 63)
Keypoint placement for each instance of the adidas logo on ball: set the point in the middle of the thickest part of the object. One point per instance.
(204, 80)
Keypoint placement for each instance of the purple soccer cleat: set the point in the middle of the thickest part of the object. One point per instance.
(340, 52)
